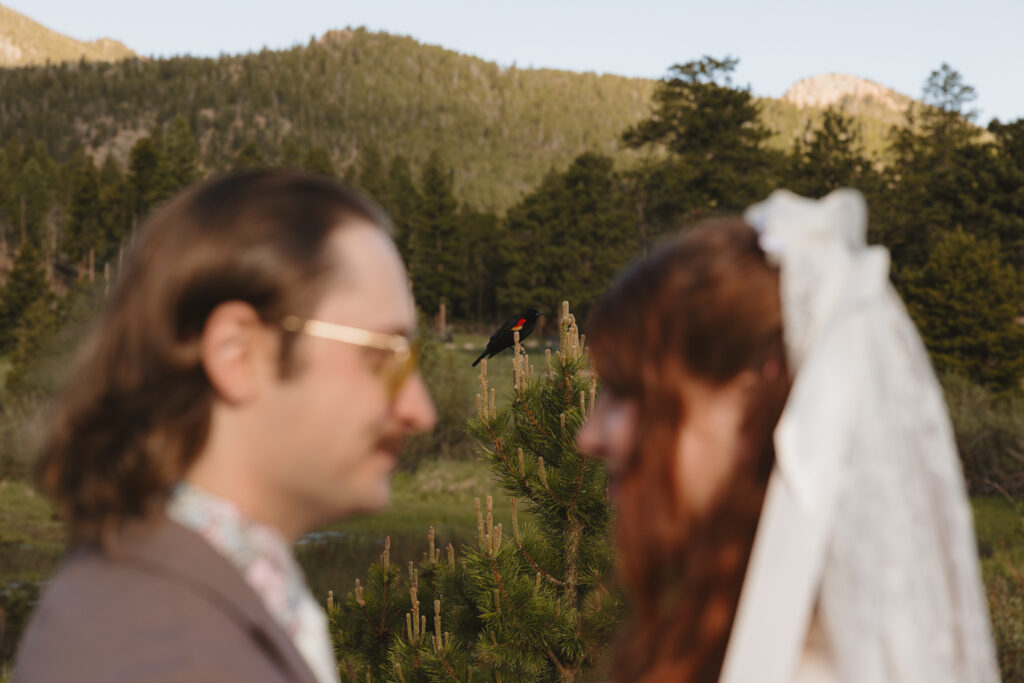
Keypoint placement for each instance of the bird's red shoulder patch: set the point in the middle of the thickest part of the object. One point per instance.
(519, 325)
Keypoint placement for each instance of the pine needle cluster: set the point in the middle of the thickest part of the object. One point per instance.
(522, 604)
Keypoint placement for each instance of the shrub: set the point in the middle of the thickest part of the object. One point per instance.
(990, 436)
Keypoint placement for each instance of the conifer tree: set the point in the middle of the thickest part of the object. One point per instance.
(966, 302)
(143, 169)
(401, 198)
(482, 233)
(25, 285)
(521, 604)
(180, 162)
(568, 237)
(34, 197)
(828, 157)
(84, 231)
(114, 206)
(945, 177)
(436, 242)
(370, 172)
(717, 160)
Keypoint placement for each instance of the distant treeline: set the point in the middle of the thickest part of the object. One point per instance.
(949, 205)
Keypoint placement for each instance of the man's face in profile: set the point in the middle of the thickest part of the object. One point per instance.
(335, 428)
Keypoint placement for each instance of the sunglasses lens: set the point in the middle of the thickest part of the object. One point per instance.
(400, 369)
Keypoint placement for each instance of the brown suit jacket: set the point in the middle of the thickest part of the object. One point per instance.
(165, 606)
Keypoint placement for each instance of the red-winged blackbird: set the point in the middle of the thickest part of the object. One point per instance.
(504, 337)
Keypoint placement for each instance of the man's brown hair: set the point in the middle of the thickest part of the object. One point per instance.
(136, 411)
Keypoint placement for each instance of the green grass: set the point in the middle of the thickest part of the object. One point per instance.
(1000, 526)
(1000, 529)
(439, 494)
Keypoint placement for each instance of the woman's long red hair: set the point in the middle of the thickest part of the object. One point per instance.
(704, 306)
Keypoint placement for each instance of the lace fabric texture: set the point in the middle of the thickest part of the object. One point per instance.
(866, 514)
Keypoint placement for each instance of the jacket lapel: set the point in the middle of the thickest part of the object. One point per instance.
(165, 547)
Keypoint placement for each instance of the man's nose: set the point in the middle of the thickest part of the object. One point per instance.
(413, 406)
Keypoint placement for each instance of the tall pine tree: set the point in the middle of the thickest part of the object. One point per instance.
(717, 160)
(84, 230)
(436, 243)
(568, 237)
(829, 156)
(25, 285)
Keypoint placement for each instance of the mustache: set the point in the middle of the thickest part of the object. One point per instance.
(392, 442)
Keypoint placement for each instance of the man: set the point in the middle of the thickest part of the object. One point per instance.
(252, 378)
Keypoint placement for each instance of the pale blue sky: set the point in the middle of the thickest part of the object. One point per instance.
(894, 42)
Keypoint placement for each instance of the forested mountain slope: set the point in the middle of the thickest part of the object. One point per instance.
(500, 129)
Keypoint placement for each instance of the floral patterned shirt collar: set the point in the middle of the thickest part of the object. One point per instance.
(259, 552)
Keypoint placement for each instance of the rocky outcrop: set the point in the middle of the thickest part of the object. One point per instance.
(845, 91)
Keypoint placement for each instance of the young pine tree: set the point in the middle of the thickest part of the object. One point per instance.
(520, 604)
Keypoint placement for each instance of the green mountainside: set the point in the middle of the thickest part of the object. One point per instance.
(24, 42)
(500, 129)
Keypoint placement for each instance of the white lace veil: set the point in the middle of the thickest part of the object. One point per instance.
(866, 518)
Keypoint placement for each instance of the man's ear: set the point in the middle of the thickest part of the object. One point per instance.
(237, 352)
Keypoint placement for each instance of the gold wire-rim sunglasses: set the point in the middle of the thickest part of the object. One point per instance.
(404, 351)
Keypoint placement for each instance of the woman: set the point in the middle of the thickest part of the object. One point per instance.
(790, 503)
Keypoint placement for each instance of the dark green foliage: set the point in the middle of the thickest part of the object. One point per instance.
(828, 157)
(966, 300)
(436, 243)
(370, 172)
(401, 198)
(945, 177)
(34, 191)
(25, 286)
(17, 601)
(1011, 139)
(179, 166)
(144, 176)
(318, 160)
(525, 604)
(51, 330)
(715, 142)
(568, 237)
(84, 229)
(250, 155)
(482, 233)
(115, 209)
